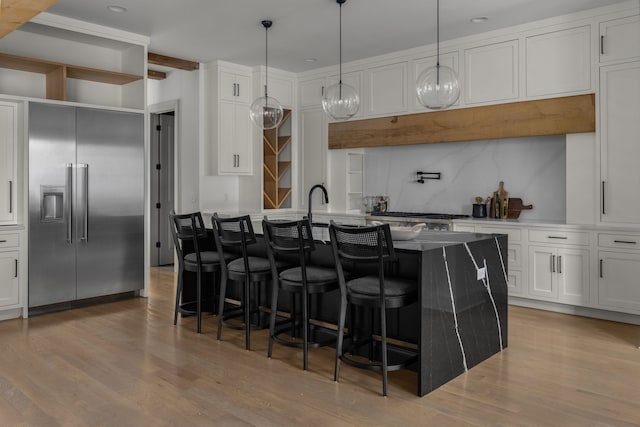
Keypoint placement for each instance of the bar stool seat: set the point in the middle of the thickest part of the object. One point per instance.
(295, 238)
(252, 271)
(376, 290)
(188, 232)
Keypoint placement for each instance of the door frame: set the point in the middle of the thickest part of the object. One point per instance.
(160, 108)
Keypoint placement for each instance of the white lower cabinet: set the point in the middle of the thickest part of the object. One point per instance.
(9, 279)
(560, 275)
(10, 270)
(619, 271)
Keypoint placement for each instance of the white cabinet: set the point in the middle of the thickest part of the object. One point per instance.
(311, 92)
(450, 59)
(618, 286)
(229, 127)
(235, 158)
(313, 159)
(346, 180)
(10, 269)
(491, 73)
(514, 255)
(559, 274)
(235, 86)
(280, 86)
(8, 170)
(620, 150)
(386, 89)
(559, 62)
(618, 271)
(619, 39)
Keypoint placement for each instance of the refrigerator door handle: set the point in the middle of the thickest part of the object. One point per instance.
(69, 191)
(85, 203)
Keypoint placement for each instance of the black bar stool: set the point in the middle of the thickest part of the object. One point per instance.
(295, 237)
(188, 232)
(371, 245)
(237, 233)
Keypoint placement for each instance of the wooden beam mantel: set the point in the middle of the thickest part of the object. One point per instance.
(572, 114)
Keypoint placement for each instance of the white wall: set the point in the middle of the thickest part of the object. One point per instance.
(533, 169)
(195, 191)
(184, 87)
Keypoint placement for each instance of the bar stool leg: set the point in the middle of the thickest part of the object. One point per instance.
(199, 300)
(339, 343)
(305, 330)
(383, 330)
(247, 311)
(178, 297)
(221, 296)
(272, 317)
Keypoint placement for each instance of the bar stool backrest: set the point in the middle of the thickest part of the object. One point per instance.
(233, 232)
(363, 244)
(187, 228)
(288, 237)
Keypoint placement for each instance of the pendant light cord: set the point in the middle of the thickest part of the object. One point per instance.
(266, 60)
(437, 43)
(340, 50)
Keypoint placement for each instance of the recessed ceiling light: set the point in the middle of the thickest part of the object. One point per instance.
(479, 19)
(310, 60)
(116, 8)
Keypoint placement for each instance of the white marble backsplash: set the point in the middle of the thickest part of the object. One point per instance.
(533, 169)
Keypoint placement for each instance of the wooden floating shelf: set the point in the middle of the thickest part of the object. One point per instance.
(57, 73)
(555, 116)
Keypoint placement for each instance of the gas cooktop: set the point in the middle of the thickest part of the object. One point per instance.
(420, 215)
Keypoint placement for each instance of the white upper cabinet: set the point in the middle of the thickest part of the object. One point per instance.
(229, 128)
(386, 89)
(450, 59)
(620, 150)
(491, 73)
(281, 89)
(620, 39)
(311, 93)
(353, 79)
(235, 86)
(559, 62)
(8, 151)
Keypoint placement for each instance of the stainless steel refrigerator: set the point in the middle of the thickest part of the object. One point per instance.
(86, 203)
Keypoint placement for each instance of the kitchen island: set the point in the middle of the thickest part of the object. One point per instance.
(461, 315)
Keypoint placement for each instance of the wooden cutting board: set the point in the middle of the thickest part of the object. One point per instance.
(516, 206)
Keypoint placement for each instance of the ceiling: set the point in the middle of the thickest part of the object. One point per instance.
(230, 30)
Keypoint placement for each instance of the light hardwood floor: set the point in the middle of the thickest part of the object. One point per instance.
(125, 364)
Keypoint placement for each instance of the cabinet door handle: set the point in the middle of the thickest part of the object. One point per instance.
(238, 157)
(601, 45)
(16, 270)
(238, 86)
(3, 241)
(560, 264)
(10, 196)
(552, 263)
(603, 205)
(322, 91)
(557, 237)
(630, 242)
(601, 263)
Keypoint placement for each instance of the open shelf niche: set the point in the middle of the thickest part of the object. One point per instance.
(277, 164)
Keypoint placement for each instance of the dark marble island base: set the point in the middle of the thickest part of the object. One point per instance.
(461, 316)
(463, 302)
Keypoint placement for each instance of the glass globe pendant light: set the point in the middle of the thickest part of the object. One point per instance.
(340, 101)
(438, 87)
(266, 112)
